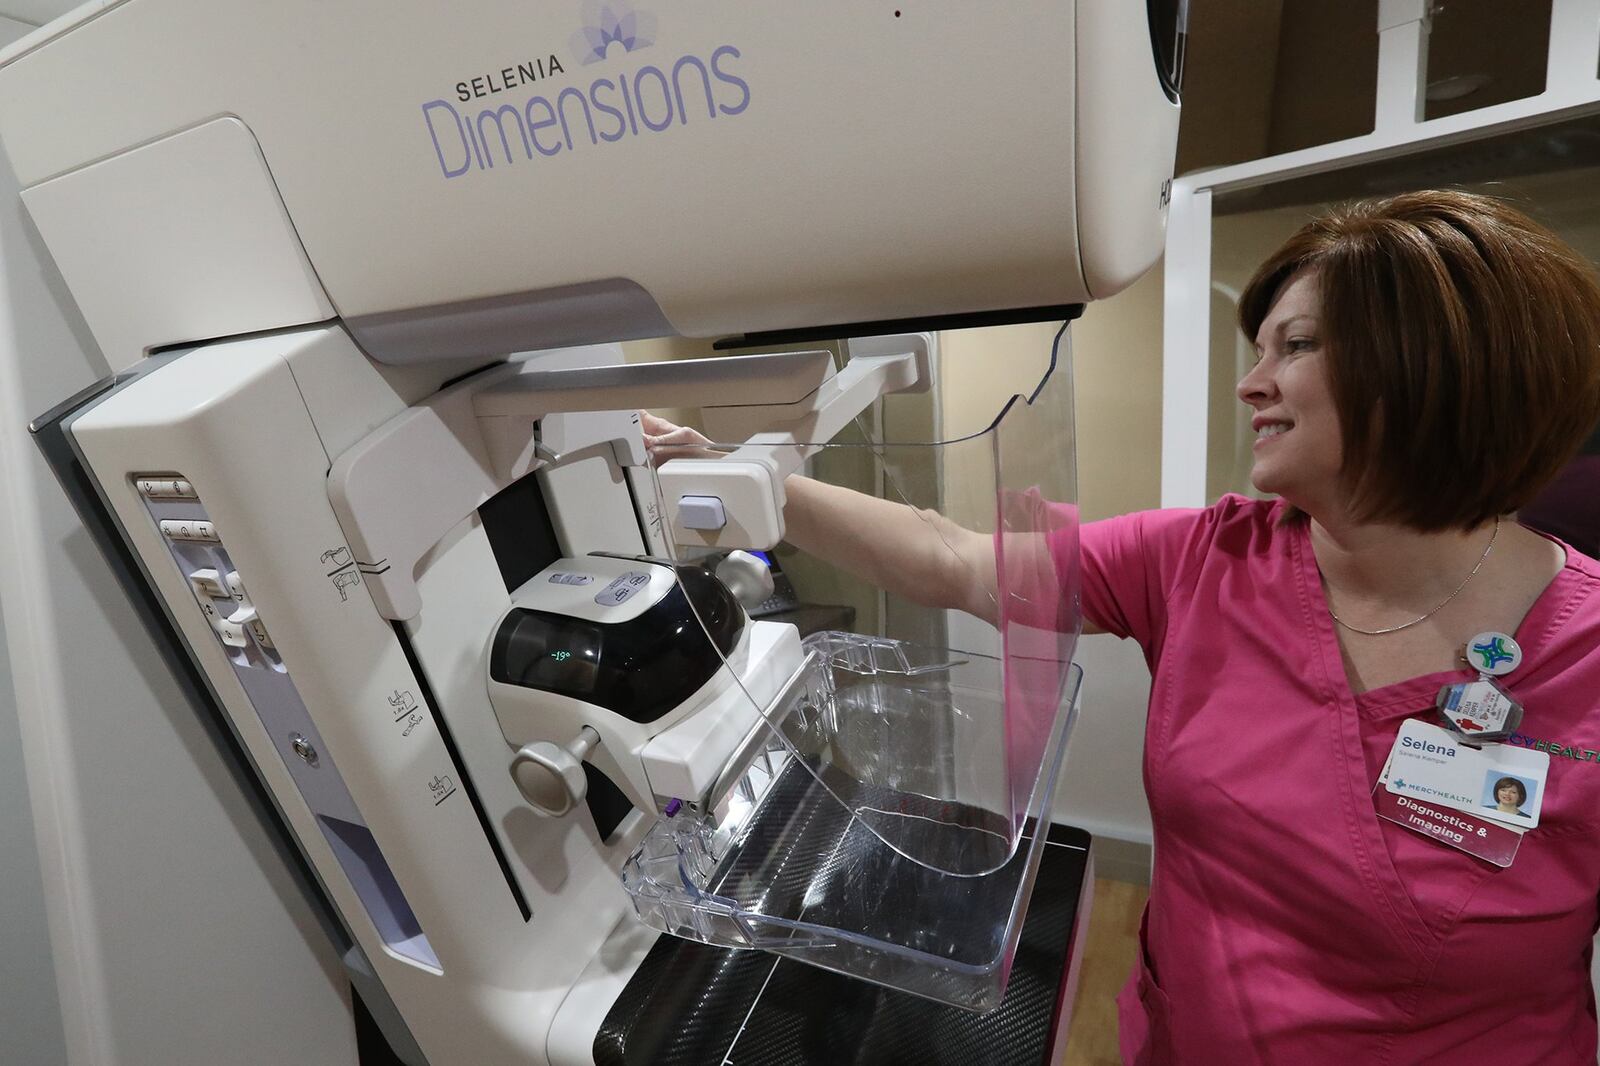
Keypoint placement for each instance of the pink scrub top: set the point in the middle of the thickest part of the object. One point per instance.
(1287, 922)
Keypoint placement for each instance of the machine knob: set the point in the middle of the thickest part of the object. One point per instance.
(747, 577)
(549, 776)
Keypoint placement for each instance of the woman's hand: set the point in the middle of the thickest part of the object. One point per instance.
(665, 440)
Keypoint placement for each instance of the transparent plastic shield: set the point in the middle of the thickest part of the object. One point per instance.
(873, 810)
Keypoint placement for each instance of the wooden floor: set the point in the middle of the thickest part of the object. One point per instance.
(1107, 960)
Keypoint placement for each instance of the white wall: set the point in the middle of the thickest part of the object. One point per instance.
(30, 1011)
(174, 933)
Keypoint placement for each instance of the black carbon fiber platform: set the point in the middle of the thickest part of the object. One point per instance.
(693, 1005)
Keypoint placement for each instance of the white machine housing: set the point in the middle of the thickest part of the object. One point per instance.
(216, 168)
(296, 225)
(679, 754)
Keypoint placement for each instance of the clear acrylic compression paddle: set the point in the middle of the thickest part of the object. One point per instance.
(936, 725)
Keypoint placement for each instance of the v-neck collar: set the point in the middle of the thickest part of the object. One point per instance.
(1401, 698)
(1353, 715)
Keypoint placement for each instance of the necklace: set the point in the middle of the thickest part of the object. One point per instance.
(1438, 607)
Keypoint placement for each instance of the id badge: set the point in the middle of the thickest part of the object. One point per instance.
(1495, 782)
(1490, 841)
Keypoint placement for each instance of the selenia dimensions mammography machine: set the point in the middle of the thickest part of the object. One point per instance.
(372, 471)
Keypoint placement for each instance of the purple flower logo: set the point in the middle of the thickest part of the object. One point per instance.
(608, 22)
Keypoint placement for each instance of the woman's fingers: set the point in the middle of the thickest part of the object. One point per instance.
(654, 425)
(664, 440)
(683, 435)
(659, 429)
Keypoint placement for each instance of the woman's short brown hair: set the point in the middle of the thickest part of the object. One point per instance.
(1463, 351)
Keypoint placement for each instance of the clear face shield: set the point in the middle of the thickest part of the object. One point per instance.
(875, 811)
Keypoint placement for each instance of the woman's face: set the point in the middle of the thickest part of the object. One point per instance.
(1506, 795)
(1298, 446)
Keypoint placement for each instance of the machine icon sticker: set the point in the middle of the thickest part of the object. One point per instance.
(441, 788)
(608, 22)
(403, 703)
(345, 571)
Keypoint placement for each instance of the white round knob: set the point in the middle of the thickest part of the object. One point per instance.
(747, 577)
(551, 777)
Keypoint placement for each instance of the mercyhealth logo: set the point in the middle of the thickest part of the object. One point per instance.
(1424, 790)
(608, 22)
(655, 98)
(1493, 653)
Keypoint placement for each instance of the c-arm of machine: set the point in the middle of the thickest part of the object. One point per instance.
(410, 481)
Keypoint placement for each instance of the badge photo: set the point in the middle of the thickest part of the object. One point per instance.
(1510, 796)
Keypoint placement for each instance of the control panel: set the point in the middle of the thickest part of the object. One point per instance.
(218, 589)
(622, 588)
(222, 596)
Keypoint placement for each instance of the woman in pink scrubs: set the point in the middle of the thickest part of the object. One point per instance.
(1427, 364)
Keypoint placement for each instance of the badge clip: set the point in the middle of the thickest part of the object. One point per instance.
(1482, 712)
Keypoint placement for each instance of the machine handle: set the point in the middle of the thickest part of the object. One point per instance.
(550, 777)
(530, 393)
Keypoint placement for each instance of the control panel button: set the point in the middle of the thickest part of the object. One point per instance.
(209, 609)
(236, 587)
(166, 488)
(195, 529)
(208, 583)
(247, 621)
(258, 629)
(702, 512)
(232, 633)
(622, 588)
(571, 579)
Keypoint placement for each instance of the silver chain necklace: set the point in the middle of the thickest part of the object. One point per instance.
(1439, 607)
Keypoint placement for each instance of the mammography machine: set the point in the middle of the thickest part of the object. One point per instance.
(371, 468)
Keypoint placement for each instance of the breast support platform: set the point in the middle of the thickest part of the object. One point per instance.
(372, 468)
